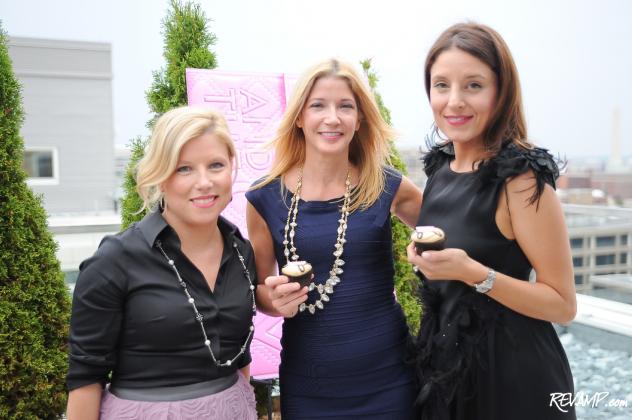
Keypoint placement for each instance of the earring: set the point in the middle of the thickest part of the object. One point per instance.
(433, 137)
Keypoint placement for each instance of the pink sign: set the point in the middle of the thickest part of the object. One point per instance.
(252, 104)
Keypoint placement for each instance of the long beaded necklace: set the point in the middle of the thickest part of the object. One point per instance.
(200, 318)
(324, 290)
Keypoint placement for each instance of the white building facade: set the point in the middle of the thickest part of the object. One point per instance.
(601, 241)
(68, 126)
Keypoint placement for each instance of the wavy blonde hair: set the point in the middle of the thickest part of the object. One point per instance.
(369, 148)
(171, 132)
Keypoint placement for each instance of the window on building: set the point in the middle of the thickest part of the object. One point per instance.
(577, 242)
(605, 241)
(578, 261)
(579, 279)
(607, 259)
(40, 164)
(624, 239)
(623, 258)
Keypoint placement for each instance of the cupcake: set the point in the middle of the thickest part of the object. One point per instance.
(428, 238)
(299, 271)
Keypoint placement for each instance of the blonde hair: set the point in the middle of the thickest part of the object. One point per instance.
(171, 132)
(369, 148)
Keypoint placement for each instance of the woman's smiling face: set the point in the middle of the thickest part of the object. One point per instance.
(330, 116)
(463, 95)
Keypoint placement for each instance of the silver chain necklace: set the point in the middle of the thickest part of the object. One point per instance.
(200, 318)
(324, 290)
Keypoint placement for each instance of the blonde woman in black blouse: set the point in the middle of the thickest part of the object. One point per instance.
(163, 311)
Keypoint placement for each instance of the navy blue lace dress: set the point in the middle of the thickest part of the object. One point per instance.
(475, 358)
(348, 360)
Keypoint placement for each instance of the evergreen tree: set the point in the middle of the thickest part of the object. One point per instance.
(405, 279)
(34, 301)
(187, 41)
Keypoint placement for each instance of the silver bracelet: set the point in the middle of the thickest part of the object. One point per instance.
(487, 284)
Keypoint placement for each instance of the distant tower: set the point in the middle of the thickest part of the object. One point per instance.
(615, 162)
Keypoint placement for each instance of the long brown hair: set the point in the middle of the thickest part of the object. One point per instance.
(507, 122)
(368, 149)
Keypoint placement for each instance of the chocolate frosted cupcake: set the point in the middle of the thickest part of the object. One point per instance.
(299, 271)
(428, 238)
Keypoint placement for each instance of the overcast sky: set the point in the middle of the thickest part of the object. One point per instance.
(574, 56)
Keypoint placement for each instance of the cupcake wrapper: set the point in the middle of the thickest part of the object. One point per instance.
(304, 279)
(429, 246)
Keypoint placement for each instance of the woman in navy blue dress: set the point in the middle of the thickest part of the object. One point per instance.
(327, 201)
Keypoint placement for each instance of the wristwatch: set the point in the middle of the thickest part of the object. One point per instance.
(487, 284)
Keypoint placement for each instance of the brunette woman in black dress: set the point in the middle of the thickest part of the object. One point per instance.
(486, 348)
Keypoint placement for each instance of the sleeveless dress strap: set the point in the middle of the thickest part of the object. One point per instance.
(385, 200)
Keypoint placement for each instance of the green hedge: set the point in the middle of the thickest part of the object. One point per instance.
(34, 302)
(406, 281)
(187, 40)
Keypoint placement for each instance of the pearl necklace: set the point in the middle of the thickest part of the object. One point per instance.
(200, 318)
(324, 290)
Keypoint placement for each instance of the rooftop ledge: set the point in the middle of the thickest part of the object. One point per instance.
(84, 223)
(604, 314)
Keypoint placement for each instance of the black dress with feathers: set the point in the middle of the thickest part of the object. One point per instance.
(475, 358)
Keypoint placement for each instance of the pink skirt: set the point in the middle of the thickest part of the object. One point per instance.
(234, 403)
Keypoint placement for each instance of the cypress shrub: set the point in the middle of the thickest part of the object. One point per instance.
(187, 40)
(406, 281)
(34, 301)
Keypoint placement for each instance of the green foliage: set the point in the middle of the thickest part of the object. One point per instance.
(261, 395)
(34, 302)
(132, 203)
(187, 42)
(406, 281)
(373, 79)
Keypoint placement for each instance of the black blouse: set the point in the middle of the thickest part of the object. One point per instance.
(131, 319)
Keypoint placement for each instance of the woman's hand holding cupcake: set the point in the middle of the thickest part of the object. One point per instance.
(447, 264)
(285, 295)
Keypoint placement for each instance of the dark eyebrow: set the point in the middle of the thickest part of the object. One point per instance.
(470, 76)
